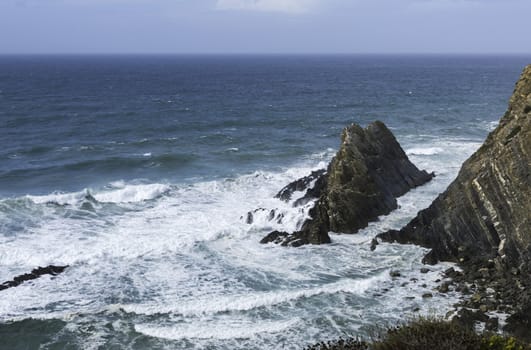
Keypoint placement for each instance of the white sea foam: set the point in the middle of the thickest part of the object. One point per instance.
(249, 300)
(132, 193)
(215, 330)
(120, 194)
(59, 198)
(183, 262)
(490, 126)
(428, 151)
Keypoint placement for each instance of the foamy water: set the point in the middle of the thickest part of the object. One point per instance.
(179, 263)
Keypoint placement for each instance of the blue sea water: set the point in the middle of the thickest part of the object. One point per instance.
(138, 172)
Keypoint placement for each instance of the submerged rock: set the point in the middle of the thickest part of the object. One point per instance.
(362, 182)
(483, 220)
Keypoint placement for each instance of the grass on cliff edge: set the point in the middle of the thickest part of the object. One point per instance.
(427, 334)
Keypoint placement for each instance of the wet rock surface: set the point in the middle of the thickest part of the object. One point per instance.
(316, 178)
(483, 220)
(34, 274)
(362, 182)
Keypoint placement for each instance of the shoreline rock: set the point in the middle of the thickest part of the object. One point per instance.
(362, 182)
(483, 220)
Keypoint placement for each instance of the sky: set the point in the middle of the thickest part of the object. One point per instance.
(265, 26)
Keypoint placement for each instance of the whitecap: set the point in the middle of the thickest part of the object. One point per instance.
(59, 198)
(428, 151)
(121, 193)
(221, 330)
(254, 300)
(132, 193)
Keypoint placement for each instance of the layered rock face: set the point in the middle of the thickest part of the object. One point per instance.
(486, 212)
(362, 182)
(483, 219)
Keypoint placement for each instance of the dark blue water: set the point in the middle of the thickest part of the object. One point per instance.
(70, 122)
(174, 151)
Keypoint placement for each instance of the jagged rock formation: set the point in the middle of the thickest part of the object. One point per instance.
(483, 219)
(362, 182)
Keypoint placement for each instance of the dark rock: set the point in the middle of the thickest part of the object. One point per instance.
(394, 273)
(283, 238)
(362, 182)
(275, 237)
(249, 219)
(424, 270)
(374, 243)
(272, 215)
(462, 288)
(34, 274)
(492, 324)
(484, 272)
(468, 318)
(302, 184)
(369, 171)
(519, 323)
(449, 272)
(444, 288)
(427, 295)
(476, 297)
(314, 191)
(491, 264)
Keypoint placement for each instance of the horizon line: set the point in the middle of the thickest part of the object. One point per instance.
(265, 54)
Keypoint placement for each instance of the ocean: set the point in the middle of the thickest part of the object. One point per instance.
(138, 172)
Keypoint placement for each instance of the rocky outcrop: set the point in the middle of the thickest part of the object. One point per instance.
(362, 182)
(486, 212)
(483, 219)
(34, 274)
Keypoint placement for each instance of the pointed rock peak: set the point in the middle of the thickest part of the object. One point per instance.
(362, 182)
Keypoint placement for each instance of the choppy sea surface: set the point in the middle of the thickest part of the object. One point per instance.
(138, 172)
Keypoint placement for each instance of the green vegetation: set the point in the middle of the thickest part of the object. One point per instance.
(427, 334)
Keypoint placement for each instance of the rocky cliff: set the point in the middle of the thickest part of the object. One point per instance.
(486, 212)
(483, 219)
(362, 182)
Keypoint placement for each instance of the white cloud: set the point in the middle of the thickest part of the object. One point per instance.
(286, 6)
